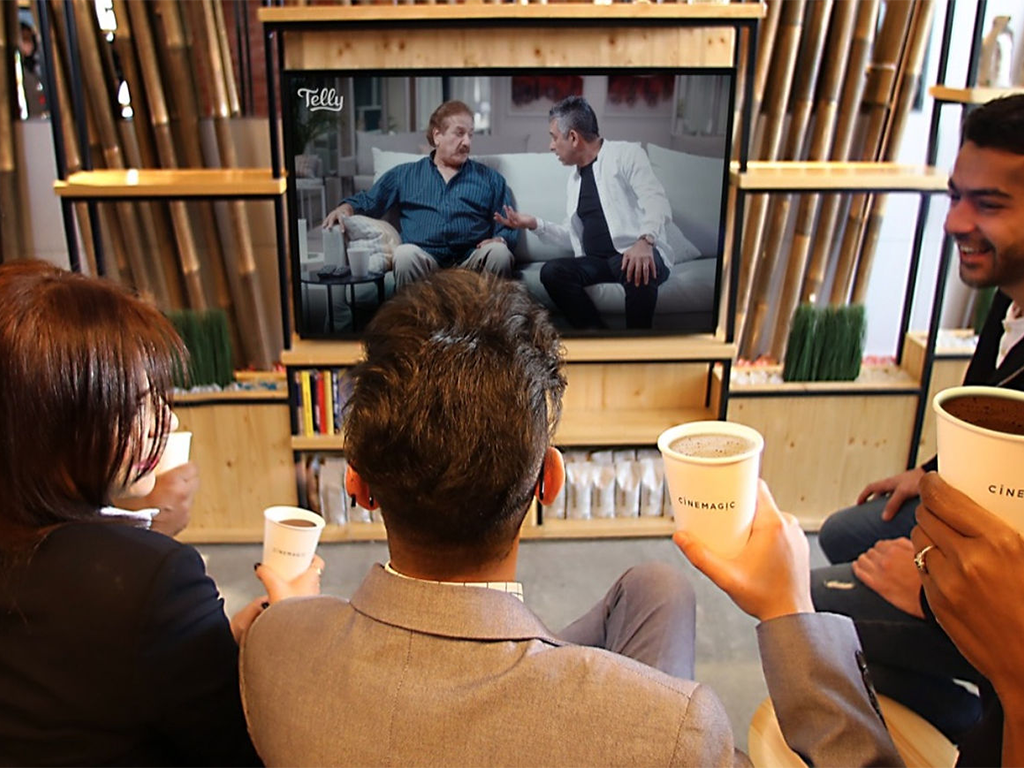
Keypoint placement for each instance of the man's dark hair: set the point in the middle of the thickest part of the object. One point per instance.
(440, 117)
(998, 124)
(574, 113)
(452, 411)
(79, 360)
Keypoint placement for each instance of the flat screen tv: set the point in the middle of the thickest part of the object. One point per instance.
(669, 129)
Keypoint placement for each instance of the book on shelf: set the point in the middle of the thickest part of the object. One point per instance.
(321, 395)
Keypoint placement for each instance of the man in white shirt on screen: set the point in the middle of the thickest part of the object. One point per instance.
(616, 219)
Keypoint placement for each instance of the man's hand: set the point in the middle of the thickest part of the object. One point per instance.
(888, 569)
(335, 216)
(902, 487)
(513, 219)
(638, 263)
(771, 576)
(173, 494)
(974, 574)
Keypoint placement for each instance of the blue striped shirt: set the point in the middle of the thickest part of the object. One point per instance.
(445, 220)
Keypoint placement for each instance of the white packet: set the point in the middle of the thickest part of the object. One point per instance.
(627, 488)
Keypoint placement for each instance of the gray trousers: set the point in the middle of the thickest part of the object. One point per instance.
(649, 615)
(412, 263)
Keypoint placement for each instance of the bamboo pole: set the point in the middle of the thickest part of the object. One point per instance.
(156, 224)
(178, 75)
(849, 105)
(766, 34)
(100, 108)
(808, 64)
(190, 266)
(249, 296)
(844, 14)
(234, 106)
(11, 245)
(786, 48)
(910, 80)
(878, 95)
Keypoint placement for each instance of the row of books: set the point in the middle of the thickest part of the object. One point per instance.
(322, 395)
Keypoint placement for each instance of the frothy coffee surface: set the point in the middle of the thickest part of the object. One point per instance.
(711, 446)
(995, 413)
(296, 522)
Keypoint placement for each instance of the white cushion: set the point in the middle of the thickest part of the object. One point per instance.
(694, 188)
(376, 238)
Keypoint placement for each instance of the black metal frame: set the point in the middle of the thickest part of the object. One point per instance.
(270, 30)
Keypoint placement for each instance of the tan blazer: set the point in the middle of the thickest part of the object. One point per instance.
(412, 673)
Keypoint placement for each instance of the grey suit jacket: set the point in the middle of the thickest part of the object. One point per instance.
(412, 673)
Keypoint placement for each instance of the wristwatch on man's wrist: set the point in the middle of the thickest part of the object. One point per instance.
(647, 238)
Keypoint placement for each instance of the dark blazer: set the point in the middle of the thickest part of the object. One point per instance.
(415, 673)
(115, 650)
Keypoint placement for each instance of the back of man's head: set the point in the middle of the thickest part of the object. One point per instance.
(574, 113)
(452, 411)
(998, 124)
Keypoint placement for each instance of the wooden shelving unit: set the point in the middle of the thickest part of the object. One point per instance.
(622, 392)
(838, 177)
(948, 95)
(148, 183)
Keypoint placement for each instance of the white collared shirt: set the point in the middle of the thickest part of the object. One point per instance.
(508, 587)
(1013, 331)
(144, 516)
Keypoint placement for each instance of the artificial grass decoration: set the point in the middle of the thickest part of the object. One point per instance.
(825, 344)
(208, 342)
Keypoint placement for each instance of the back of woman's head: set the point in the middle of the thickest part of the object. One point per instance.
(82, 364)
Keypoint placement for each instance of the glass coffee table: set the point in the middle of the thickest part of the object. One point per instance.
(348, 283)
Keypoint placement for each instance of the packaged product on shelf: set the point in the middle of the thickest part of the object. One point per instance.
(575, 456)
(556, 509)
(578, 490)
(602, 457)
(602, 499)
(623, 454)
(652, 486)
(627, 488)
(333, 503)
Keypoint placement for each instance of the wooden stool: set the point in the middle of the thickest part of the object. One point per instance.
(919, 743)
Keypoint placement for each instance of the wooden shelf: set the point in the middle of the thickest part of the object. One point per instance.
(900, 381)
(970, 95)
(242, 396)
(354, 532)
(601, 528)
(318, 443)
(402, 14)
(177, 183)
(836, 176)
(698, 347)
(623, 427)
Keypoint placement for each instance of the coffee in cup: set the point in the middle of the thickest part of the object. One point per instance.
(980, 435)
(711, 468)
(290, 536)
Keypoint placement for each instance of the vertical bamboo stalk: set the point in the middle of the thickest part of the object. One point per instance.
(178, 74)
(808, 64)
(787, 46)
(99, 103)
(910, 80)
(836, 57)
(225, 56)
(190, 265)
(766, 34)
(156, 225)
(878, 96)
(849, 105)
(249, 298)
(11, 245)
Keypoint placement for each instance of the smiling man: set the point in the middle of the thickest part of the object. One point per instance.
(875, 580)
(446, 204)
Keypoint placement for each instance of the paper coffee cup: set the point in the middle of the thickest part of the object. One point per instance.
(175, 452)
(359, 262)
(712, 481)
(290, 536)
(981, 447)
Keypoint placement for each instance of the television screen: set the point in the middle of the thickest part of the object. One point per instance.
(612, 214)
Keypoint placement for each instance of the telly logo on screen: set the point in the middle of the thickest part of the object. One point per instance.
(322, 99)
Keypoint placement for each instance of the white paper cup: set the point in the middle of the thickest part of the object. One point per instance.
(175, 452)
(289, 549)
(359, 262)
(984, 463)
(713, 497)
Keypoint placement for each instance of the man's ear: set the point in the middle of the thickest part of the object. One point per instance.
(552, 476)
(358, 489)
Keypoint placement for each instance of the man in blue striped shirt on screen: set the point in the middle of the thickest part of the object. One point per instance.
(446, 205)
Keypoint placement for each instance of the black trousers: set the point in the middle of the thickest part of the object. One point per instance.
(565, 279)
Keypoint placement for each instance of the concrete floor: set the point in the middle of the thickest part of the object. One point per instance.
(560, 580)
